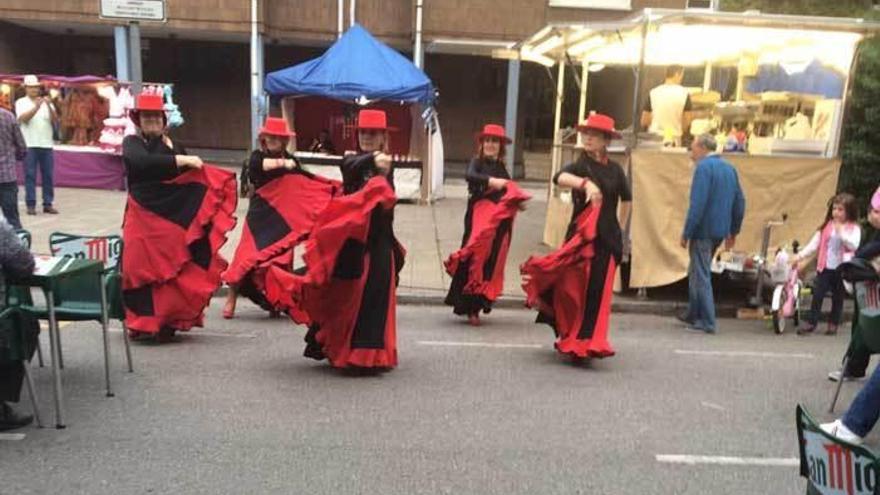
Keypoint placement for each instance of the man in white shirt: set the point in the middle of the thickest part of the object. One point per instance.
(36, 116)
(667, 112)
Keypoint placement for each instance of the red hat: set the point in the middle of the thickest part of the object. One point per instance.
(149, 103)
(374, 120)
(599, 122)
(276, 126)
(494, 130)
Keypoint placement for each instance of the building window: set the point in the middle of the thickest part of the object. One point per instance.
(593, 4)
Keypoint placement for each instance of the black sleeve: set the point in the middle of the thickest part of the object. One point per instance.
(356, 168)
(475, 175)
(869, 251)
(626, 194)
(144, 166)
(257, 175)
(575, 168)
(687, 104)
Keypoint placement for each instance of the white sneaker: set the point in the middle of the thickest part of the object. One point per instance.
(839, 430)
(834, 376)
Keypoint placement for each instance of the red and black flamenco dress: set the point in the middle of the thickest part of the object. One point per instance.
(557, 285)
(477, 269)
(281, 212)
(175, 224)
(348, 294)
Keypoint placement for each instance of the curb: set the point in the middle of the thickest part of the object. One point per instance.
(620, 305)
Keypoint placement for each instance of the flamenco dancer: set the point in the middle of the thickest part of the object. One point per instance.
(572, 287)
(477, 269)
(176, 219)
(348, 295)
(282, 210)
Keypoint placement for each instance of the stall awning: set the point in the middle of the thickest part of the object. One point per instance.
(356, 67)
(687, 37)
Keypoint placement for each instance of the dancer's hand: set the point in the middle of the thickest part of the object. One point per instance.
(191, 161)
(383, 163)
(497, 183)
(592, 190)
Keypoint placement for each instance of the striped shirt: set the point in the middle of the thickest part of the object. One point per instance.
(12, 146)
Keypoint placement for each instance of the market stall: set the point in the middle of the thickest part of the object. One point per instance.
(773, 89)
(93, 119)
(320, 98)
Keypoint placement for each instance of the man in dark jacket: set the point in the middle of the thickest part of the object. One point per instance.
(716, 213)
(15, 262)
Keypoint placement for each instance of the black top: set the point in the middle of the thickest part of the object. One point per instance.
(260, 177)
(480, 171)
(149, 160)
(358, 169)
(612, 181)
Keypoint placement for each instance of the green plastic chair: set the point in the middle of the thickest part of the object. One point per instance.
(16, 346)
(79, 300)
(865, 329)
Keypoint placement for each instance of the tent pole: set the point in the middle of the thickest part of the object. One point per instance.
(640, 75)
(582, 104)
(557, 119)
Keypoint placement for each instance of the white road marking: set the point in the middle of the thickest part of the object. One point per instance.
(795, 355)
(196, 333)
(712, 405)
(693, 460)
(61, 324)
(445, 343)
(11, 437)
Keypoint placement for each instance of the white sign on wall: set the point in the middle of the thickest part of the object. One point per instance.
(133, 10)
(593, 4)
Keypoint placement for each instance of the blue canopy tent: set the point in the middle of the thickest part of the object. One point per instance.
(359, 70)
(357, 67)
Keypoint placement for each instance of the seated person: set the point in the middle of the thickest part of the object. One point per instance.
(322, 144)
(15, 262)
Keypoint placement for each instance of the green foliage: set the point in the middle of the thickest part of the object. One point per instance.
(838, 8)
(861, 145)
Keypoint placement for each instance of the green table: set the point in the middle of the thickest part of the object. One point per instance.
(49, 272)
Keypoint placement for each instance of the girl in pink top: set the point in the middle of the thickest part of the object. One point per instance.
(836, 241)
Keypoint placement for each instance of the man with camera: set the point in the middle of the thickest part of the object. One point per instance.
(37, 115)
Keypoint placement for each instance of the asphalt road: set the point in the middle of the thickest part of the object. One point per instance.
(236, 409)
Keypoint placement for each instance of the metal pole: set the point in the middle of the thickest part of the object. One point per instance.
(134, 57)
(715, 4)
(418, 54)
(256, 74)
(582, 104)
(340, 18)
(510, 121)
(557, 119)
(351, 13)
(637, 92)
(120, 41)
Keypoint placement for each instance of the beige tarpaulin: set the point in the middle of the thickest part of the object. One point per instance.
(661, 182)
